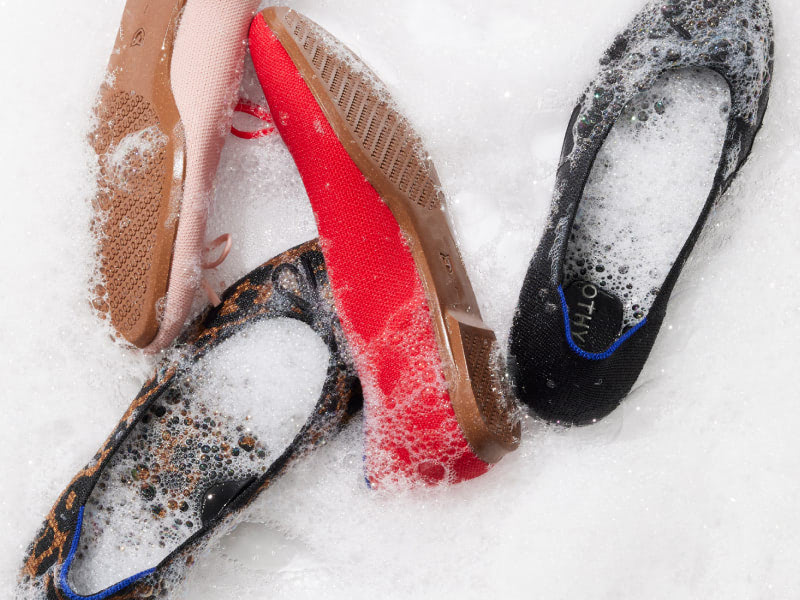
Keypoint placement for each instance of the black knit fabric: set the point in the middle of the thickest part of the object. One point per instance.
(731, 37)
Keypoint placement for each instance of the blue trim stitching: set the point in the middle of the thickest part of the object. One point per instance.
(105, 593)
(593, 355)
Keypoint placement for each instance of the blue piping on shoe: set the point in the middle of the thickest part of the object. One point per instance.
(105, 593)
(366, 479)
(593, 355)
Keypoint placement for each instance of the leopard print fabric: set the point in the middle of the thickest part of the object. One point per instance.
(293, 285)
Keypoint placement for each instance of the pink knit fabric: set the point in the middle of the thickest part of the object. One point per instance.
(206, 71)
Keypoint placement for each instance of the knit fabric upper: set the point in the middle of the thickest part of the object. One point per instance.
(410, 427)
(554, 375)
(206, 69)
(156, 458)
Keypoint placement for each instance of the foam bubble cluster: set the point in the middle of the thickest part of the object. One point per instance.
(693, 458)
(132, 155)
(227, 420)
(648, 186)
(411, 436)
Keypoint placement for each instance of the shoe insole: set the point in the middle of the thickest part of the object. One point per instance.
(228, 420)
(643, 197)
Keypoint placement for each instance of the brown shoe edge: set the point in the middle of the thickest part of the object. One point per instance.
(137, 205)
(385, 148)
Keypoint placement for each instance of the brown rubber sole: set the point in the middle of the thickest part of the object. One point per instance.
(139, 143)
(385, 148)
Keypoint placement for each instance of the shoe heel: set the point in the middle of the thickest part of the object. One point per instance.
(481, 399)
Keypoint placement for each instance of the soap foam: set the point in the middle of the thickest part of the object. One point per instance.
(227, 420)
(688, 490)
(647, 187)
(132, 154)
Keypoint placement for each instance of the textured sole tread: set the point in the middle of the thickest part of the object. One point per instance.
(139, 144)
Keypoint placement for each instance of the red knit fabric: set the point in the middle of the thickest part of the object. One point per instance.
(411, 433)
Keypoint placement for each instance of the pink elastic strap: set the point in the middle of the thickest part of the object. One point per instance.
(213, 297)
(226, 240)
(223, 239)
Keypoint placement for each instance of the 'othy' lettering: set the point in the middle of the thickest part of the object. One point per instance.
(582, 318)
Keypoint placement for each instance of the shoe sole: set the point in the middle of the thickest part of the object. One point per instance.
(387, 151)
(140, 147)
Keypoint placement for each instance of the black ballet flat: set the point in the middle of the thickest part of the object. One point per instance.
(589, 313)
